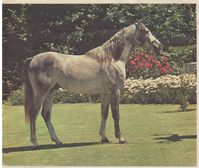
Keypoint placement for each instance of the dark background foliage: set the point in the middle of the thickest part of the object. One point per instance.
(30, 29)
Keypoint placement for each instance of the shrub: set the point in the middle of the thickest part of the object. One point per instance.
(142, 65)
(165, 89)
(65, 96)
(186, 54)
(16, 97)
(60, 96)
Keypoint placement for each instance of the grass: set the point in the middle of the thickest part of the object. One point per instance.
(157, 135)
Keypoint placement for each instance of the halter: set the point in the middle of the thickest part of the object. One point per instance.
(153, 41)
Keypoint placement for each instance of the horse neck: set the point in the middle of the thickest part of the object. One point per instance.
(119, 46)
(127, 48)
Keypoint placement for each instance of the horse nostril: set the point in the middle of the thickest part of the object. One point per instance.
(157, 49)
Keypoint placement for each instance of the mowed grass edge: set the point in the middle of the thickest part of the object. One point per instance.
(157, 135)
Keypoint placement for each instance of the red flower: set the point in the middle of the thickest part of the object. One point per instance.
(141, 62)
(133, 62)
(159, 65)
(151, 59)
(163, 70)
(149, 65)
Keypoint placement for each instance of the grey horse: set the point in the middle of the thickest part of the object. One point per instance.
(99, 71)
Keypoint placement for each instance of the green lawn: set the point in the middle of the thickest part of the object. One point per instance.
(157, 135)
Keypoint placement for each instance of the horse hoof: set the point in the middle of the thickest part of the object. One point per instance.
(59, 143)
(105, 140)
(35, 145)
(123, 142)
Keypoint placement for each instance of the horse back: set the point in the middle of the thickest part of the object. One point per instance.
(70, 66)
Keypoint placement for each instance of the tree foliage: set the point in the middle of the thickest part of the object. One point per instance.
(29, 29)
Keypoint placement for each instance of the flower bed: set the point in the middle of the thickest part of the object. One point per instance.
(144, 65)
(164, 89)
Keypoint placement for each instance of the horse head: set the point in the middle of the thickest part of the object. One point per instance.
(145, 39)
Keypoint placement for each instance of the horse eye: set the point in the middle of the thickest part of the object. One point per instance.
(146, 31)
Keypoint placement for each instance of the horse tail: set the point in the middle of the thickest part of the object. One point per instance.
(28, 93)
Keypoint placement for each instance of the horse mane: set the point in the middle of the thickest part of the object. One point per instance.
(110, 50)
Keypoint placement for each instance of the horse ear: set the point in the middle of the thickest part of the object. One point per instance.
(140, 25)
(140, 21)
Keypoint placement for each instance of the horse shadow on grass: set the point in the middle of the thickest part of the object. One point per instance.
(173, 137)
(47, 146)
(177, 111)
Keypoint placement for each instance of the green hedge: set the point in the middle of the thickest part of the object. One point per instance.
(64, 96)
(185, 54)
(16, 97)
(180, 56)
(60, 96)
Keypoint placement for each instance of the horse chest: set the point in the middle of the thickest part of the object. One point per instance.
(116, 73)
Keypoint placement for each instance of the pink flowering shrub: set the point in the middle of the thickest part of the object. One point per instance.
(144, 66)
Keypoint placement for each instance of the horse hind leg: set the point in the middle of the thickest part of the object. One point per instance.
(40, 93)
(46, 114)
(33, 116)
(33, 137)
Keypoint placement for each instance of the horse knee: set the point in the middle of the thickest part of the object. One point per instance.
(116, 94)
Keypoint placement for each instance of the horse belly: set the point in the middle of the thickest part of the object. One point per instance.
(94, 86)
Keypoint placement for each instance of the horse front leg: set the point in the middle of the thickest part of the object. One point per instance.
(115, 114)
(105, 100)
